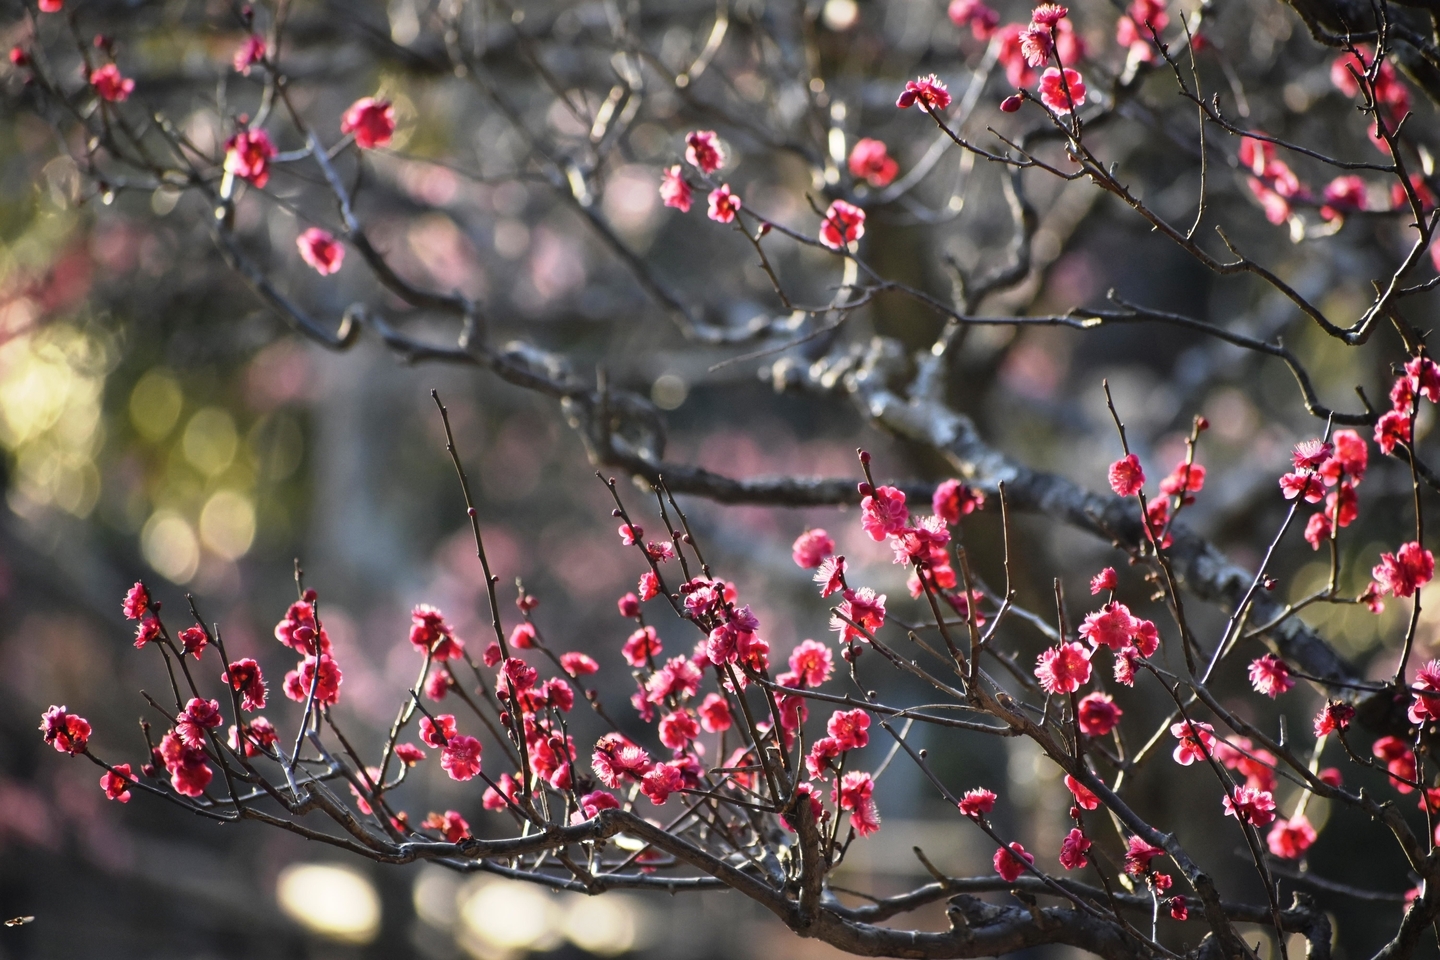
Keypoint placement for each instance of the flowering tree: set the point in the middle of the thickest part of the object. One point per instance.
(734, 784)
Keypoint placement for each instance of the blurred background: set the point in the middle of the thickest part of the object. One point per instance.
(159, 422)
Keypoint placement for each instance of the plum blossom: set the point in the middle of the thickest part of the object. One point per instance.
(703, 151)
(110, 85)
(136, 602)
(850, 728)
(1196, 740)
(1406, 570)
(1062, 97)
(981, 18)
(929, 92)
(870, 161)
(1126, 477)
(1270, 675)
(245, 678)
(723, 204)
(1063, 668)
(1335, 715)
(460, 757)
(1104, 580)
(674, 191)
(319, 249)
(327, 688)
(811, 548)
(883, 512)
(248, 155)
(953, 500)
(831, 575)
(1072, 850)
(250, 52)
(864, 607)
(1252, 806)
(116, 783)
(1138, 855)
(1289, 839)
(372, 122)
(1008, 863)
(67, 732)
(854, 793)
(978, 802)
(1097, 714)
(642, 645)
(812, 663)
(578, 664)
(843, 225)
(1426, 705)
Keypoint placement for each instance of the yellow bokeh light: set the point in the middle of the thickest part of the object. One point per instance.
(170, 547)
(504, 916)
(155, 404)
(210, 441)
(227, 524)
(605, 926)
(333, 901)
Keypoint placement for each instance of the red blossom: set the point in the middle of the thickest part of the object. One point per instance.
(250, 52)
(1084, 798)
(189, 772)
(244, 677)
(674, 191)
(67, 732)
(248, 155)
(1178, 907)
(1126, 477)
(1426, 705)
(592, 803)
(843, 225)
(1405, 571)
(871, 161)
(715, 714)
(110, 85)
(1138, 855)
(1048, 14)
(1310, 454)
(1317, 530)
(641, 646)
(822, 751)
(136, 602)
(854, 793)
(1111, 626)
(1062, 97)
(145, 631)
(953, 500)
(1097, 714)
(1196, 739)
(451, 825)
(811, 548)
(1392, 428)
(1036, 45)
(260, 735)
(1289, 839)
(1063, 668)
(1008, 862)
(850, 728)
(319, 249)
(578, 664)
(199, 715)
(1072, 850)
(51, 6)
(977, 802)
(616, 758)
(812, 663)
(438, 731)
(981, 18)
(660, 781)
(678, 729)
(327, 688)
(372, 122)
(1270, 675)
(1186, 478)
(1335, 715)
(193, 640)
(1104, 580)
(116, 783)
(297, 630)
(883, 512)
(1425, 376)
(831, 575)
(1306, 484)
(703, 150)
(1252, 806)
(409, 754)
(460, 757)
(723, 204)
(629, 606)
(631, 534)
(522, 637)
(864, 607)
(929, 92)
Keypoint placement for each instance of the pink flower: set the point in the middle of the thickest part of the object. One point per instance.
(1178, 908)
(1063, 668)
(189, 773)
(715, 713)
(1186, 478)
(1270, 675)
(870, 161)
(249, 53)
(460, 757)
(1335, 715)
(1317, 530)
(831, 575)
(1196, 740)
(110, 85)
(145, 631)
(578, 664)
(1343, 194)
(437, 732)
(1134, 28)
(193, 640)
(1138, 855)
(67, 732)
(631, 534)
(953, 500)
(982, 19)
(811, 548)
(1351, 457)
(1404, 571)
(372, 121)
(319, 249)
(1097, 714)
(844, 224)
(199, 715)
(136, 602)
(702, 150)
(592, 803)
(1048, 14)
(674, 191)
(1252, 806)
(853, 793)
(244, 676)
(822, 751)
(51, 6)
(1111, 626)
(865, 607)
(327, 688)
(1104, 580)
(929, 92)
(1008, 863)
(1392, 428)
(723, 204)
(1062, 96)
(1306, 484)
(679, 677)
(1084, 798)
(850, 728)
(1126, 477)
(1289, 839)
(409, 754)
(628, 605)
(522, 637)
(450, 824)
(1426, 706)
(978, 802)
(883, 512)
(642, 645)
(1036, 45)
(248, 155)
(811, 663)
(116, 783)
(677, 729)
(1072, 850)
(1425, 375)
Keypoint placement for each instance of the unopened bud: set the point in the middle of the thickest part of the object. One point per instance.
(865, 489)
(504, 719)
(865, 457)
(764, 229)
(309, 596)
(470, 511)
(1202, 423)
(19, 57)
(1011, 103)
(1268, 583)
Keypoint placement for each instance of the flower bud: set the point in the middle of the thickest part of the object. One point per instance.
(1011, 103)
